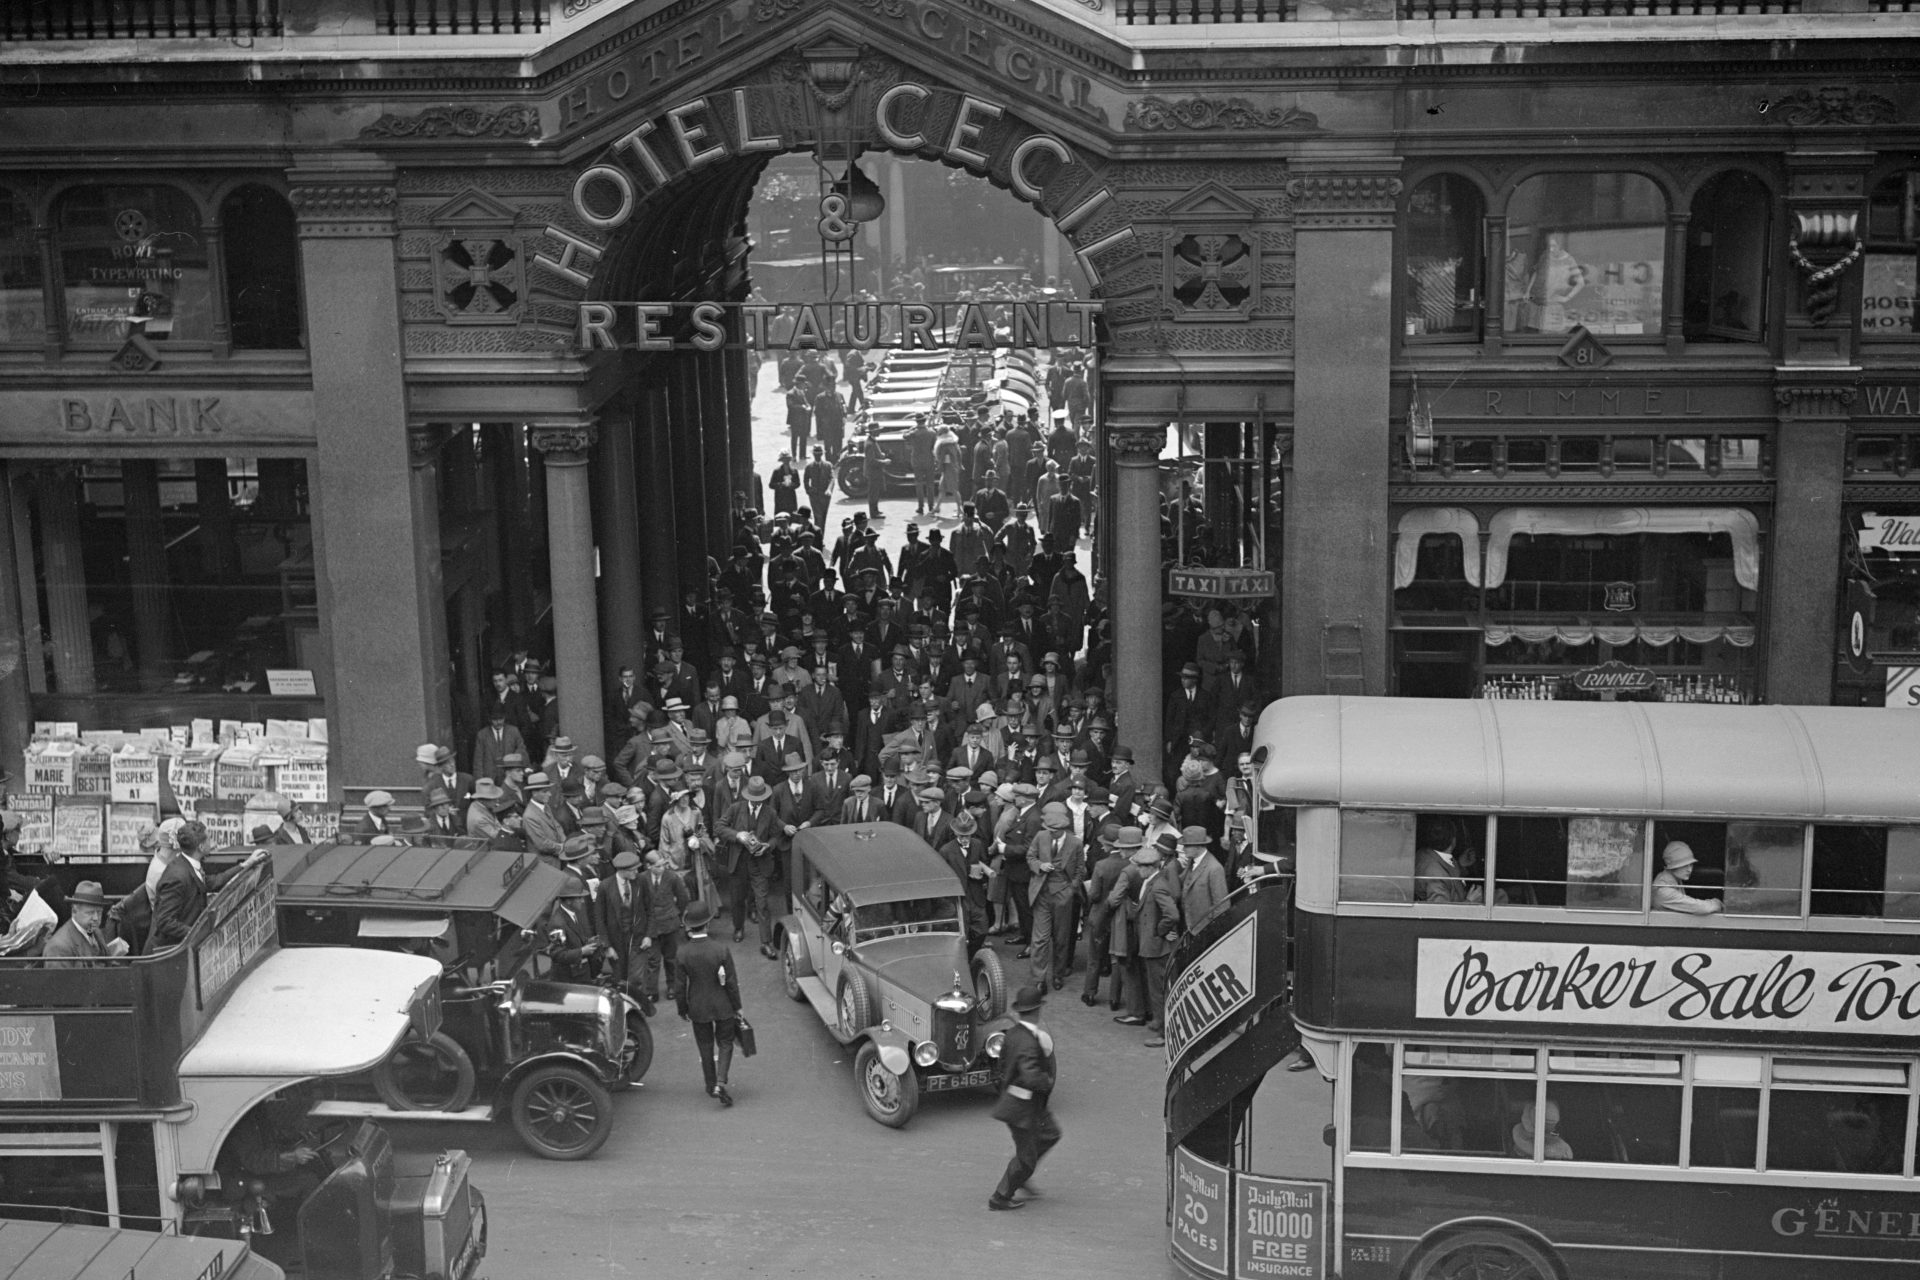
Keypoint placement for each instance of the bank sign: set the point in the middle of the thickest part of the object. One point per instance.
(1586, 984)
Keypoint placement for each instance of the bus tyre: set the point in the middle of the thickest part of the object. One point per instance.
(636, 1055)
(434, 1074)
(1471, 1255)
(561, 1112)
(852, 474)
(989, 982)
(855, 1004)
(891, 1099)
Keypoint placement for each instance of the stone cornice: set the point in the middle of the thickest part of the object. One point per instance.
(1337, 199)
(361, 205)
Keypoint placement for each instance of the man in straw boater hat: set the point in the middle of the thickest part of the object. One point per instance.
(1027, 1073)
(708, 995)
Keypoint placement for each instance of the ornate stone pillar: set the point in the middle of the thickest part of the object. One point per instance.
(617, 512)
(19, 641)
(361, 481)
(570, 556)
(147, 567)
(653, 443)
(1809, 468)
(1335, 580)
(424, 442)
(1138, 588)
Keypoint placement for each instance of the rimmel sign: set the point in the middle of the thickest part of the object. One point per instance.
(1845, 993)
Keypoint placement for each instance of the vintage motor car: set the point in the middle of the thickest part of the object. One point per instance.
(877, 944)
(545, 1055)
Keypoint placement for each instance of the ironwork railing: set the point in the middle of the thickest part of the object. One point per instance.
(1597, 8)
(137, 19)
(1170, 12)
(461, 17)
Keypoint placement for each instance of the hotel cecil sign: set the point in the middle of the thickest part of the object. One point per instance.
(1588, 984)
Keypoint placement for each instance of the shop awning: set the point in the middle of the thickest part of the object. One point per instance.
(1419, 522)
(1739, 634)
(1741, 526)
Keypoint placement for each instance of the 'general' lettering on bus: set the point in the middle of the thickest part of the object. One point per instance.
(1600, 985)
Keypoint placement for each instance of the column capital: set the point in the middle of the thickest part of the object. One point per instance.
(1350, 194)
(1803, 399)
(344, 201)
(564, 443)
(1134, 446)
(424, 441)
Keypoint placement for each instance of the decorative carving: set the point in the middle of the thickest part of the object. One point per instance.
(480, 281)
(519, 121)
(1814, 400)
(136, 355)
(1213, 276)
(1136, 446)
(1235, 177)
(476, 340)
(771, 10)
(1825, 236)
(1344, 200)
(1834, 104)
(344, 209)
(424, 440)
(563, 442)
(1156, 114)
(438, 182)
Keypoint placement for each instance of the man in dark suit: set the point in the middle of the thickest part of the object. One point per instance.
(493, 744)
(664, 898)
(1158, 928)
(831, 785)
(870, 730)
(821, 705)
(1027, 1073)
(894, 798)
(708, 995)
(931, 823)
(1188, 713)
(860, 805)
(184, 888)
(972, 751)
(753, 827)
(620, 916)
(375, 822)
(1125, 785)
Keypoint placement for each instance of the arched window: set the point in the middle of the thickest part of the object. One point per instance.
(1586, 249)
(1893, 235)
(22, 308)
(133, 259)
(1726, 289)
(262, 269)
(1443, 229)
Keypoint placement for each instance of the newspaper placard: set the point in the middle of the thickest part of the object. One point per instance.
(50, 770)
(193, 777)
(240, 775)
(79, 827)
(93, 773)
(317, 729)
(124, 824)
(223, 820)
(292, 730)
(321, 822)
(303, 781)
(36, 821)
(135, 777)
(202, 734)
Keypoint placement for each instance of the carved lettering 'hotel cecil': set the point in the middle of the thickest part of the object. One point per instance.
(1555, 350)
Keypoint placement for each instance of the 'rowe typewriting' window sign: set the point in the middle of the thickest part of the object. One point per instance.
(1857, 993)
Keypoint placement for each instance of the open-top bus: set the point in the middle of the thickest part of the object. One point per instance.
(1554, 1062)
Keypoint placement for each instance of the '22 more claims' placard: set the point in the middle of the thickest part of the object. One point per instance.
(1587, 984)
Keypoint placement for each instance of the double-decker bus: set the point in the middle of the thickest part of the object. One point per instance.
(1609, 989)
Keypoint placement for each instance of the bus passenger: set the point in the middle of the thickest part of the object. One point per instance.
(1678, 860)
(1435, 1106)
(1438, 873)
(1520, 1139)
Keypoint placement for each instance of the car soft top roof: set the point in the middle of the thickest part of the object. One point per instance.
(1658, 759)
(513, 886)
(877, 862)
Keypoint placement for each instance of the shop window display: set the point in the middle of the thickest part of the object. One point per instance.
(22, 309)
(1445, 215)
(1893, 237)
(133, 259)
(1585, 249)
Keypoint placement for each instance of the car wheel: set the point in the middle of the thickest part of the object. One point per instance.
(636, 1055)
(1484, 1255)
(891, 1099)
(434, 1074)
(789, 971)
(855, 1004)
(852, 474)
(989, 982)
(562, 1113)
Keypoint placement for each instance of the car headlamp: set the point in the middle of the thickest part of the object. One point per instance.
(926, 1053)
(995, 1043)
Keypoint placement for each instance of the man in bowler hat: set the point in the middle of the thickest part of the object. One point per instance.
(1027, 1070)
(708, 995)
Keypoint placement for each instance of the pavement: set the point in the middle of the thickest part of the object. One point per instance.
(796, 1180)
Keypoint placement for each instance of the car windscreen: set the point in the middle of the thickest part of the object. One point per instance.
(912, 915)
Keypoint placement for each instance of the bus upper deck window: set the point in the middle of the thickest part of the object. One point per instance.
(1376, 856)
(1836, 1131)
(1763, 868)
(1866, 871)
(1605, 863)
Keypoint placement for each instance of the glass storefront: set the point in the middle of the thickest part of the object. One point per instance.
(1646, 603)
(168, 577)
(1877, 649)
(22, 315)
(1586, 249)
(133, 259)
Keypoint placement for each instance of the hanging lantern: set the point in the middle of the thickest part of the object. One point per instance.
(864, 201)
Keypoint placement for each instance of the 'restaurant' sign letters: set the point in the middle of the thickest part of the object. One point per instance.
(1844, 993)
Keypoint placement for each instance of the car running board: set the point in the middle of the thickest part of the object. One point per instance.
(381, 1111)
(823, 1004)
